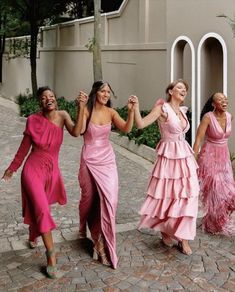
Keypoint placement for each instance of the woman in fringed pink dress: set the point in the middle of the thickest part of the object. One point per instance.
(171, 204)
(98, 176)
(41, 182)
(215, 169)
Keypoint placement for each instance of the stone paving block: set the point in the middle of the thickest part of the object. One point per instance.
(18, 245)
(4, 245)
(13, 265)
(144, 264)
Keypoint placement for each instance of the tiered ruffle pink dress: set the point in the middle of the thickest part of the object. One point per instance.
(216, 178)
(98, 180)
(41, 182)
(171, 204)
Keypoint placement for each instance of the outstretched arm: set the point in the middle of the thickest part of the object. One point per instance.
(19, 157)
(149, 119)
(200, 134)
(125, 126)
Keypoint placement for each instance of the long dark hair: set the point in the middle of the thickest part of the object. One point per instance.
(97, 85)
(208, 106)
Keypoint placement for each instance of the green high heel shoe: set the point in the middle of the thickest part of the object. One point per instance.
(51, 270)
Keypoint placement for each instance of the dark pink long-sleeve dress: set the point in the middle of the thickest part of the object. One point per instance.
(41, 182)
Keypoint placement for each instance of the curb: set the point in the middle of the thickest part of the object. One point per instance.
(144, 151)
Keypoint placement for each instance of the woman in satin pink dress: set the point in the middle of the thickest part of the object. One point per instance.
(215, 169)
(41, 181)
(171, 204)
(98, 176)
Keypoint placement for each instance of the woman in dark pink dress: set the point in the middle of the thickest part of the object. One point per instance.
(98, 176)
(215, 169)
(41, 181)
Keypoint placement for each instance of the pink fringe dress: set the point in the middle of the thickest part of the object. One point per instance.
(216, 178)
(171, 204)
(41, 181)
(98, 180)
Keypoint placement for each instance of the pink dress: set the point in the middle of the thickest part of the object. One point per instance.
(41, 182)
(98, 180)
(216, 178)
(171, 203)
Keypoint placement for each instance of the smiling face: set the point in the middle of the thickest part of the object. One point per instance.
(103, 94)
(220, 102)
(178, 92)
(48, 100)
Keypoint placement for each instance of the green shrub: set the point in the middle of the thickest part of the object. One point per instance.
(28, 104)
(149, 136)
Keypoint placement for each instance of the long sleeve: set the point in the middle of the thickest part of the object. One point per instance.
(21, 153)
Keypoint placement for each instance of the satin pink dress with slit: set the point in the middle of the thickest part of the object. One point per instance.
(41, 181)
(98, 180)
(171, 204)
(216, 178)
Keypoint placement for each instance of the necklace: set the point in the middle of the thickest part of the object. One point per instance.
(176, 110)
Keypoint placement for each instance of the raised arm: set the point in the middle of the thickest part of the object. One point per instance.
(149, 119)
(82, 114)
(125, 126)
(201, 134)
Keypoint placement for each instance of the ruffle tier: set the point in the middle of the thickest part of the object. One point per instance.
(174, 178)
(177, 218)
(175, 168)
(173, 188)
(178, 148)
(169, 208)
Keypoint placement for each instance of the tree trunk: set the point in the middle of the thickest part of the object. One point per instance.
(2, 43)
(33, 61)
(34, 29)
(97, 65)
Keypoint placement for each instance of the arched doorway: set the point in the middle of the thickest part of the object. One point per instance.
(211, 68)
(183, 66)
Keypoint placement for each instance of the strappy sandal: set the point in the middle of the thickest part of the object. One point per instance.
(99, 253)
(166, 240)
(186, 252)
(51, 270)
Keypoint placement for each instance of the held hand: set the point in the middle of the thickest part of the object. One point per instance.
(132, 102)
(7, 175)
(82, 98)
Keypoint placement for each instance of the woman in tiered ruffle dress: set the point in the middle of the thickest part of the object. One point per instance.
(215, 169)
(171, 204)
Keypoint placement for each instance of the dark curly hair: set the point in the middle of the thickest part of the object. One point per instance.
(41, 90)
(208, 106)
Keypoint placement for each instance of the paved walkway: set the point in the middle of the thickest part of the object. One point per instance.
(144, 264)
